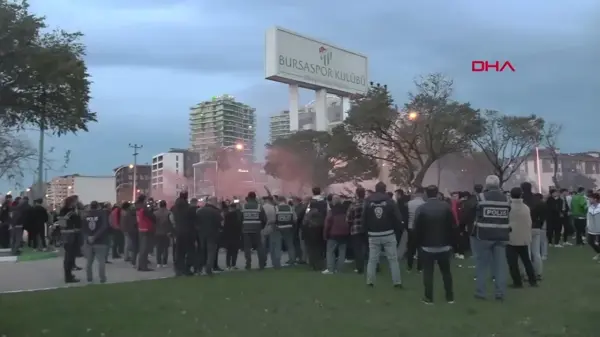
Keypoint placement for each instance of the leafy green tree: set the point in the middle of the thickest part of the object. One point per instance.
(430, 126)
(506, 141)
(43, 78)
(313, 157)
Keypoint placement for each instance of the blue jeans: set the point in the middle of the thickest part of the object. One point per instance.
(490, 255)
(276, 239)
(331, 264)
(390, 246)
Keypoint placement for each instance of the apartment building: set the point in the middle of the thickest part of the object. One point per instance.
(124, 181)
(574, 170)
(172, 170)
(279, 125)
(222, 122)
(58, 189)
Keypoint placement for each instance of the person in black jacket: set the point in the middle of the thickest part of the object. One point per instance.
(555, 217)
(382, 221)
(184, 235)
(37, 217)
(435, 236)
(5, 210)
(70, 221)
(232, 235)
(537, 211)
(209, 222)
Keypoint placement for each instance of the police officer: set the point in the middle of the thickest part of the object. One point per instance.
(70, 223)
(96, 239)
(491, 233)
(285, 220)
(383, 224)
(254, 220)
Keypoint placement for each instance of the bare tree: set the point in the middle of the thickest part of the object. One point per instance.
(428, 127)
(506, 141)
(16, 153)
(550, 135)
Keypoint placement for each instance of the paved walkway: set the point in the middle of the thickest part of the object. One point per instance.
(47, 274)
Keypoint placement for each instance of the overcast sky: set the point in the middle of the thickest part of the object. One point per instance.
(150, 60)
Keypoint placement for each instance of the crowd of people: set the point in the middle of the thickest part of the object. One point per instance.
(496, 228)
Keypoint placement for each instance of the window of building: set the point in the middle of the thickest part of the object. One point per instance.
(176, 158)
(160, 165)
(176, 164)
(590, 167)
(547, 166)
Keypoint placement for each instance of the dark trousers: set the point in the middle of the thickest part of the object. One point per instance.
(513, 254)
(145, 247)
(184, 250)
(594, 242)
(315, 245)
(443, 261)
(208, 254)
(567, 227)
(71, 247)
(118, 243)
(411, 251)
(233, 248)
(37, 238)
(579, 225)
(134, 247)
(553, 231)
(360, 246)
(4, 235)
(250, 240)
(162, 249)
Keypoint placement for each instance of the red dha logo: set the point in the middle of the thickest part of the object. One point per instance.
(485, 66)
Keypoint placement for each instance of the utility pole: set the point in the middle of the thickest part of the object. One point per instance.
(135, 148)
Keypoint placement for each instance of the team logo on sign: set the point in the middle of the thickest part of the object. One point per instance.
(325, 55)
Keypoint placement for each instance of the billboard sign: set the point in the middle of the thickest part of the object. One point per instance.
(295, 59)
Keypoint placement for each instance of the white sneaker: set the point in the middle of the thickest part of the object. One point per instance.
(596, 257)
(568, 244)
(326, 272)
(459, 256)
(558, 246)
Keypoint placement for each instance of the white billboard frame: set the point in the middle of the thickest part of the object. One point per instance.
(316, 65)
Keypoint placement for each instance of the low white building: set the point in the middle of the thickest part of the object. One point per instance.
(87, 188)
(574, 170)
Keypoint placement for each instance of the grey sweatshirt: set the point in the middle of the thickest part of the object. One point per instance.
(412, 209)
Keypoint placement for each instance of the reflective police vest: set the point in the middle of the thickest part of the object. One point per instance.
(284, 217)
(492, 221)
(251, 218)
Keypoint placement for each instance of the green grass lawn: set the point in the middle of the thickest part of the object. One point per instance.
(299, 303)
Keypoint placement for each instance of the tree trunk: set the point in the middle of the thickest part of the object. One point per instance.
(418, 180)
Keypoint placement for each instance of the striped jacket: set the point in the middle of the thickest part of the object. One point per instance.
(354, 216)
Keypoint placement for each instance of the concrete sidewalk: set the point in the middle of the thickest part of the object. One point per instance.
(47, 274)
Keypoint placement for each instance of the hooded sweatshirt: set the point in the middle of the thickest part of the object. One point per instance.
(593, 220)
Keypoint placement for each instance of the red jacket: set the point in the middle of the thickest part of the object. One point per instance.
(115, 218)
(336, 226)
(454, 205)
(144, 220)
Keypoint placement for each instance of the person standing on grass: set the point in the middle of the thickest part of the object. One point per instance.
(593, 224)
(254, 221)
(579, 210)
(129, 228)
(382, 221)
(95, 230)
(209, 223)
(411, 246)
(358, 237)
(184, 235)
(232, 235)
(434, 235)
(491, 233)
(336, 233)
(520, 239)
(283, 232)
(313, 223)
(164, 230)
(537, 215)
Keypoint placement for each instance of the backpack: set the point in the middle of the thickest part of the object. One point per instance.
(313, 218)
